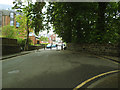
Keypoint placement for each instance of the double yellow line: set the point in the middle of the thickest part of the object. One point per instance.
(85, 82)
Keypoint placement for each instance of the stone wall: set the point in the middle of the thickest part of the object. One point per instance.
(100, 49)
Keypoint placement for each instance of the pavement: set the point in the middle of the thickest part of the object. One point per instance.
(108, 81)
(16, 54)
(22, 53)
(116, 59)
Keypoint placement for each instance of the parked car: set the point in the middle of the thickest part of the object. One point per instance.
(48, 46)
(53, 45)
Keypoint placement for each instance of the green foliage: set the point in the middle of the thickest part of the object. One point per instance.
(37, 16)
(37, 45)
(21, 42)
(0, 31)
(33, 13)
(30, 42)
(9, 32)
(82, 22)
(42, 38)
(21, 19)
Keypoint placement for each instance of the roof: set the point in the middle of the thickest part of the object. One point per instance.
(7, 12)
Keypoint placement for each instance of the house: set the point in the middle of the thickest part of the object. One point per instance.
(35, 40)
(7, 17)
(52, 39)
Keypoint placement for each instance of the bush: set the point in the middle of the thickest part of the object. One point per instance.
(9, 32)
(0, 31)
(37, 45)
(22, 42)
(30, 42)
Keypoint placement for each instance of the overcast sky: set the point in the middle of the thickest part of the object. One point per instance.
(8, 2)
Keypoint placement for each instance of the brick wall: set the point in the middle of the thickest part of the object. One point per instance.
(33, 39)
(6, 20)
(100, 49)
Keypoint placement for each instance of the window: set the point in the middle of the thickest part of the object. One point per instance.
(4, 20)
(11, 23)
(11, 19)
(12, 15)
(17, 24)
(38, 42)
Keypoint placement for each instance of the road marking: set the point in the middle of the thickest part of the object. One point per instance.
(85, 82)
(111, 58)
(14, 71)
(106, 59)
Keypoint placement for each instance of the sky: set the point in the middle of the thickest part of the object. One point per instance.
(10, 2)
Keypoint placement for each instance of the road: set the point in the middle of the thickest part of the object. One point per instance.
(52, 69)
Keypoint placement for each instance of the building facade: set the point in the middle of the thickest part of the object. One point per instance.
(7, 17)
(52, 39)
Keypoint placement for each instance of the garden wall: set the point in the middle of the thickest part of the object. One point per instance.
(10, 49)
(9, 46)
(34, 47)
(100, 49)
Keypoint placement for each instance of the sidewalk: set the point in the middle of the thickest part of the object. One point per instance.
(16, 54)
(109, 81)
(113, 58)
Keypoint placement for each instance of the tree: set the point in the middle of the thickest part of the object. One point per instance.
(9, 32)
(85, 22)
(21, 19)
(100, 26)
(42, 38)
(33, 15)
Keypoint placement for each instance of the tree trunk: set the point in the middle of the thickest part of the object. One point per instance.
(101, 19)
(27, 39)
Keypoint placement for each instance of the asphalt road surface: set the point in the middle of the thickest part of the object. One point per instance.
(52, 69)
